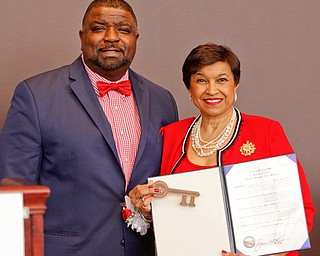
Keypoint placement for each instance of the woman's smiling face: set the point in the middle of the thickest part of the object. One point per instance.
(213, 89)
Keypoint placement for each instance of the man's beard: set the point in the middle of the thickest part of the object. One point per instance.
(109, 64)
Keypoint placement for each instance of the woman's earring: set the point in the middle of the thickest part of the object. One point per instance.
(190, 98)
(235, 97)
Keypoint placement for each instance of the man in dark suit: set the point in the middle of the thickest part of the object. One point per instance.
(89, 131)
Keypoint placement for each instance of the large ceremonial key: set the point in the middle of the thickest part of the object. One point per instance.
(164, 190)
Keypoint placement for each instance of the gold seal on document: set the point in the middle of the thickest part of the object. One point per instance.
(247, 149)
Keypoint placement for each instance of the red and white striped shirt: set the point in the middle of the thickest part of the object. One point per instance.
(123, 116)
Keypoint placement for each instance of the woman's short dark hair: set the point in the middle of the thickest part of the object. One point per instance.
(208, 54)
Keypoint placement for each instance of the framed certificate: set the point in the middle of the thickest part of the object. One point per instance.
(254, 208)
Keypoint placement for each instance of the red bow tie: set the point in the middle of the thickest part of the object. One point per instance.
(123, 87)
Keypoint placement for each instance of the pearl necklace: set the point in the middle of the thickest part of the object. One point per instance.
(214, 144)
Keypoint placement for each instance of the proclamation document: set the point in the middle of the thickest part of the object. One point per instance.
(191, 218)
(266, 206)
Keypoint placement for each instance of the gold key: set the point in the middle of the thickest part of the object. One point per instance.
(164, 190)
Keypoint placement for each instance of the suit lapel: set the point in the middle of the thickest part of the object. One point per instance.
(80, 84)
(141, 94)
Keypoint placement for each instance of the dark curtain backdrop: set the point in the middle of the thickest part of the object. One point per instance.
(277, 42)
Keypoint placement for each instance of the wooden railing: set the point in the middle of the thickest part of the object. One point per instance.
(34, 197)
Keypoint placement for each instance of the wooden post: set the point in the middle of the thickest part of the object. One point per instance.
(34, 197)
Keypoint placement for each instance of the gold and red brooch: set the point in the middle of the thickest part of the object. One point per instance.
(247, 149)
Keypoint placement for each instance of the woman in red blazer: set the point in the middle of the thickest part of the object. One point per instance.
(221, 135)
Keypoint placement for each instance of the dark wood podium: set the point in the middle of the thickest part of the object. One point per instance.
(34, 197)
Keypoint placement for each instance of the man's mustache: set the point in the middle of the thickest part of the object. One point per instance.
(111, 47)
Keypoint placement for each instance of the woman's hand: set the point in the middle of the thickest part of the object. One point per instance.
(224, 253)
(141, 197)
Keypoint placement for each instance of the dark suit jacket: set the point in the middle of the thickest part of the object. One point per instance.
(57, 135)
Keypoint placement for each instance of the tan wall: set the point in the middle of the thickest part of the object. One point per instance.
(277, 42)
